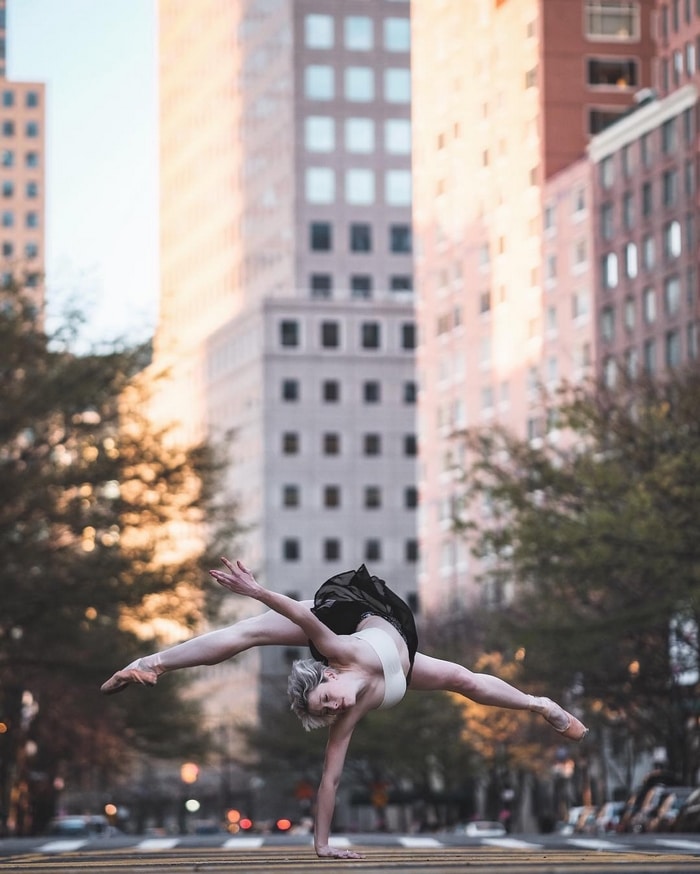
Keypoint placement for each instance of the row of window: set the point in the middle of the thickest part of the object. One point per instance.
(372, 497)
(358, 33)
(672, 249)
(359, 84)
(7, 219)
(7, 158)
(31, 250)
(359, 186)
(360, 237)
(647, 359)
(371, 443)
(358, 135)
(9, 128)
(672, 301)
(370, 335)
(682, 64)
(332, 550)
(31, 98)
(644, 203)
(31, 188)
(670, 15)
(371, 391)
(643, 152)
(360, 285)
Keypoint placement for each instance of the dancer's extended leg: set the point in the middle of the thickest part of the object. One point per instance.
(430, 674)
(209, 649)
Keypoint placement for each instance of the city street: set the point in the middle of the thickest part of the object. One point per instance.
(416, 854)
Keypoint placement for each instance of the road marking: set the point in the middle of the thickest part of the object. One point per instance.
(337, 842)
(158, 844)
(511, 844)
(681, 845)
(596, 844)
(418, 843)
(242, 843)
(64, 846)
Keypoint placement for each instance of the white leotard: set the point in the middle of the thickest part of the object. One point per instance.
(394, 677)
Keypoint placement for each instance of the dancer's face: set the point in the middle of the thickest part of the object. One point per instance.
(334, 695)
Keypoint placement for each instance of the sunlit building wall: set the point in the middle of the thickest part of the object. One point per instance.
(22, 177)
(286, 315)
(506, 96)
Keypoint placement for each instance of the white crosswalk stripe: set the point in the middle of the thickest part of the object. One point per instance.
(511, 844)
(155, 844)
(596, 844)
(411, 842)
(62, 846)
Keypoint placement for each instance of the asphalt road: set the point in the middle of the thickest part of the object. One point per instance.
(411, 855)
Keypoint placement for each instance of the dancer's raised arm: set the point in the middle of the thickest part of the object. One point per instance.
(240, 580)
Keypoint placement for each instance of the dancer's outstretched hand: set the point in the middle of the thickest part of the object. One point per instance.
(237, 579)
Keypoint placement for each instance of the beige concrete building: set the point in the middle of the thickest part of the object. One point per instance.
(286, 312)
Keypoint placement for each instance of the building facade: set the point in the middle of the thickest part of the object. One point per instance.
(286, 312)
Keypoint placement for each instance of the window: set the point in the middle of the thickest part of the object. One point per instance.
(410, 445)
(359, 186)
(360, 237)
(32, 159)
(320, 236)
(647, 199)
(401, 283)
(321, 285)
(291, 549)
(408, 335)
(372, 444)
(600, 119)
(373, 497)
(8, 158)
(361, 286)
(606, 221)
(607, 324)
(330, 335)
(371, 392)
(628, 211)
(669, 136)
(331, 496)
(319, 133)
(609, 20)
(359, 33)
(32, 189)
(410, 497)
(411, 551)
(330, 391)
(397, 34)
(318, 31)
(410, 392)
(649, 356)
(8, 128)
(290, 443)
(606, 171)
(373, 550)
(359, 84)
(331, 444)
(649, 305)
(290, 496)
(613, 72)
(397, 136)
(8, 98)
(32, 99)
(609, 269)
(320, 185)
(400, 239)
(32, 220)
(370, 335)
(8, 188)
(7, 249)
(673, 239)
(672, 295)
(631, 264)
(669, 183)
(290, 389)
(648, 252)
(8, 218)
(359, 135)
(319, 82)
(31, 250)
(397, 187)
(289, 333)
(32, 129)
(397, 85)
(673, 349)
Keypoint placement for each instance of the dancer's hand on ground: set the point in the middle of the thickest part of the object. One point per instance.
(337, 853)
(237, 579)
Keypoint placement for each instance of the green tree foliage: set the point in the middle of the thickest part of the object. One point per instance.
(598, 533)
(96, 540)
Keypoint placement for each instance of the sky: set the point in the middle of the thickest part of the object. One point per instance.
(98, 61)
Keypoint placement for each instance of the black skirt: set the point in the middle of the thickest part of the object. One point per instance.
(344, 600)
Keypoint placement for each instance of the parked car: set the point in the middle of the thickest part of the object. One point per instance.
(608, 817)
(688, 819)
(665, 817)
(81, 827)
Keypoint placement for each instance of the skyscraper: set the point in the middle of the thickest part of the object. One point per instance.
(286, 309)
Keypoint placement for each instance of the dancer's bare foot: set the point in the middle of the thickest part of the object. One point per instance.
(560, 720)
(136, 672)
